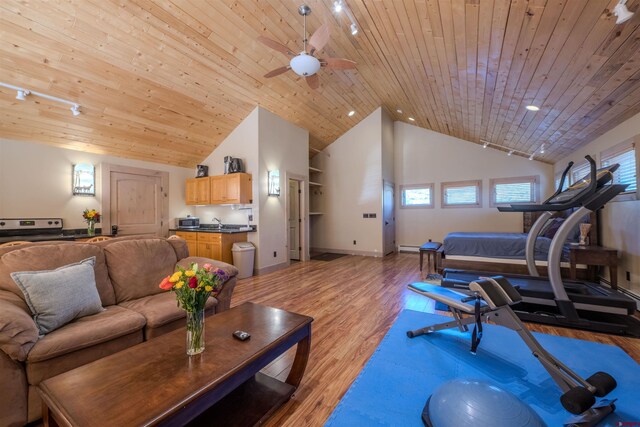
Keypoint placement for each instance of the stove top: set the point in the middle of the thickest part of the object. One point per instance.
(30, 228)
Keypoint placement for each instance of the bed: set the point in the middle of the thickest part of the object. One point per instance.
(505, 252)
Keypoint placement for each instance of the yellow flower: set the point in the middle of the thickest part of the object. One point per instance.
(190, 273)
(175, 277)
(208, 288)
(179, 284)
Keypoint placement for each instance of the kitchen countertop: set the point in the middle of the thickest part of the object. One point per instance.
(50, 237)
(226, 229)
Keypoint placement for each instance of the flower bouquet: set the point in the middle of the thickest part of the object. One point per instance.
(91, 217)
(193, 287)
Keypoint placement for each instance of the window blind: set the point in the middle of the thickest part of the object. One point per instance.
(515, 192)
(626, 173)
(416, 196)
(467, 195)
(579, 172)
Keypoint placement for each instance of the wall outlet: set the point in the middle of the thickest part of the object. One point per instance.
(250, 217)
(354, 242)
(275, 254)
(364, 215)
(372, 215)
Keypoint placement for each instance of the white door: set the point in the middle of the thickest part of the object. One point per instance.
(136, 200)
(388, 218)
(293, 196)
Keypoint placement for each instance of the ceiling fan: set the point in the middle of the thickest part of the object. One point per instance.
(305, 64)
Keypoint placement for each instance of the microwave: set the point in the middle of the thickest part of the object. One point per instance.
(189, 222)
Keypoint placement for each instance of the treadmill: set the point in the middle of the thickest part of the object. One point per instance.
(553, 300)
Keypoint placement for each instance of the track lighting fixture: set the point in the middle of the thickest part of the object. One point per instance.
(486, 144)
(354, 29)
(531, 156)
(22, 94)
(542, 149)
(622, 12)
(510, 152)
(337, 6)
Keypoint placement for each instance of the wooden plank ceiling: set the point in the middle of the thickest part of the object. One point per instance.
(167, 81)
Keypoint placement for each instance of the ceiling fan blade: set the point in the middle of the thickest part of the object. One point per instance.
(319, 38)
(313, 81)
(277, 71)
(338, 63)
(276, 46)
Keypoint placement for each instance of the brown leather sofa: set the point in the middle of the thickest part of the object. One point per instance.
(127, 272)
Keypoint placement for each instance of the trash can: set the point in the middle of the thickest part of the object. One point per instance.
(243, 254)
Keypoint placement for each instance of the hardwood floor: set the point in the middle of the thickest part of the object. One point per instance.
(354, 301)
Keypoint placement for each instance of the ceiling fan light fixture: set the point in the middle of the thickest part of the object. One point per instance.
(22, 94)
(354, 29)
(304, 64)
(622, 12)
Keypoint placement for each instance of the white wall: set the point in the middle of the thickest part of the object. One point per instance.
(423, 156)
(620, 221)
(352, 178)
(35, 181)
(284, 147)
(264, 142)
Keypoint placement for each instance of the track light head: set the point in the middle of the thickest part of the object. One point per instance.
(542, 149)
(354, 29)
(75, 110)
(622, 12)
(510, 152)
(531, 156)
(337, 6)
(22, 94)
(486, 144)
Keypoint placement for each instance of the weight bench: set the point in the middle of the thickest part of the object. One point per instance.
(491, 299)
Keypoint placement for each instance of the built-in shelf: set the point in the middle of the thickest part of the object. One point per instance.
(316, 213)
(317, 184)
(314, 169)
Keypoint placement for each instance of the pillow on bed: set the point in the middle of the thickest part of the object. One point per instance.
(552, 226)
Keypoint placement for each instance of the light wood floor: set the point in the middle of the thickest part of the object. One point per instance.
(354, 300)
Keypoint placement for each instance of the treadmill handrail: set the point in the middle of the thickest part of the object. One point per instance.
(562, 179)
(576, 201)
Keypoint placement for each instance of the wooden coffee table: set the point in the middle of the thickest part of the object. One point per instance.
(156, 383)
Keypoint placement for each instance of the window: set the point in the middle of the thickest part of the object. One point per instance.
(625, 155)
(416, 196)
(462, 194)
(506, 191)
(557, 181)
(578, 172)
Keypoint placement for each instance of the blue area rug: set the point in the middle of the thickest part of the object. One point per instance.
(393, 387)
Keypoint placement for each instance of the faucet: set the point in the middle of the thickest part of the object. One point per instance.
(219, 222)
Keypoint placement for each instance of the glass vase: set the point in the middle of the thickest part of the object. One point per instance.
(91, 228)
(195, 332)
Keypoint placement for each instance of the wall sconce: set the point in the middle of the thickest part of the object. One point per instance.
(274, 183)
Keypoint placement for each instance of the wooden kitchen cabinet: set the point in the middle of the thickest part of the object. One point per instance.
(198, 191)
(233, 188)
(192, 241)
(212, 245)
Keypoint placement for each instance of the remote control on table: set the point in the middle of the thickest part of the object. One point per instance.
(242, 335)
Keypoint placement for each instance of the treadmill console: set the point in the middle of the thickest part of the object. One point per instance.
(603, 176)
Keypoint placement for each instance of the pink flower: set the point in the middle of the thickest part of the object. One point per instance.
(207, 267)
(166, 284)
(193, 282)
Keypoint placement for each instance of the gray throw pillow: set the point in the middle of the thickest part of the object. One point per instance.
(56, 297)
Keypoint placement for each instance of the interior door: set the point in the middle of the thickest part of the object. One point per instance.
(136, 202)
(389, 218)
(293, 196)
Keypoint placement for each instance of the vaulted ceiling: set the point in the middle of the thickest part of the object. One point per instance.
(167, 81)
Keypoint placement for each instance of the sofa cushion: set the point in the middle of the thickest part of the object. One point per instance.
(229, 269)
(56, 297)
(161, 309)
(136, 267)
(38, 256)
(87, 331)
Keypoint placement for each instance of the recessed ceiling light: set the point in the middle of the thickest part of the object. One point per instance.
(351, 113)
(412, 119)
(399, 111)
(532, 108)
(337, 6)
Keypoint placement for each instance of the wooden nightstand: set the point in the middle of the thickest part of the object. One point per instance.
(592, 256)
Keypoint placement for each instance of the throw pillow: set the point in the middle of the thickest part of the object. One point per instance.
(56, 297)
